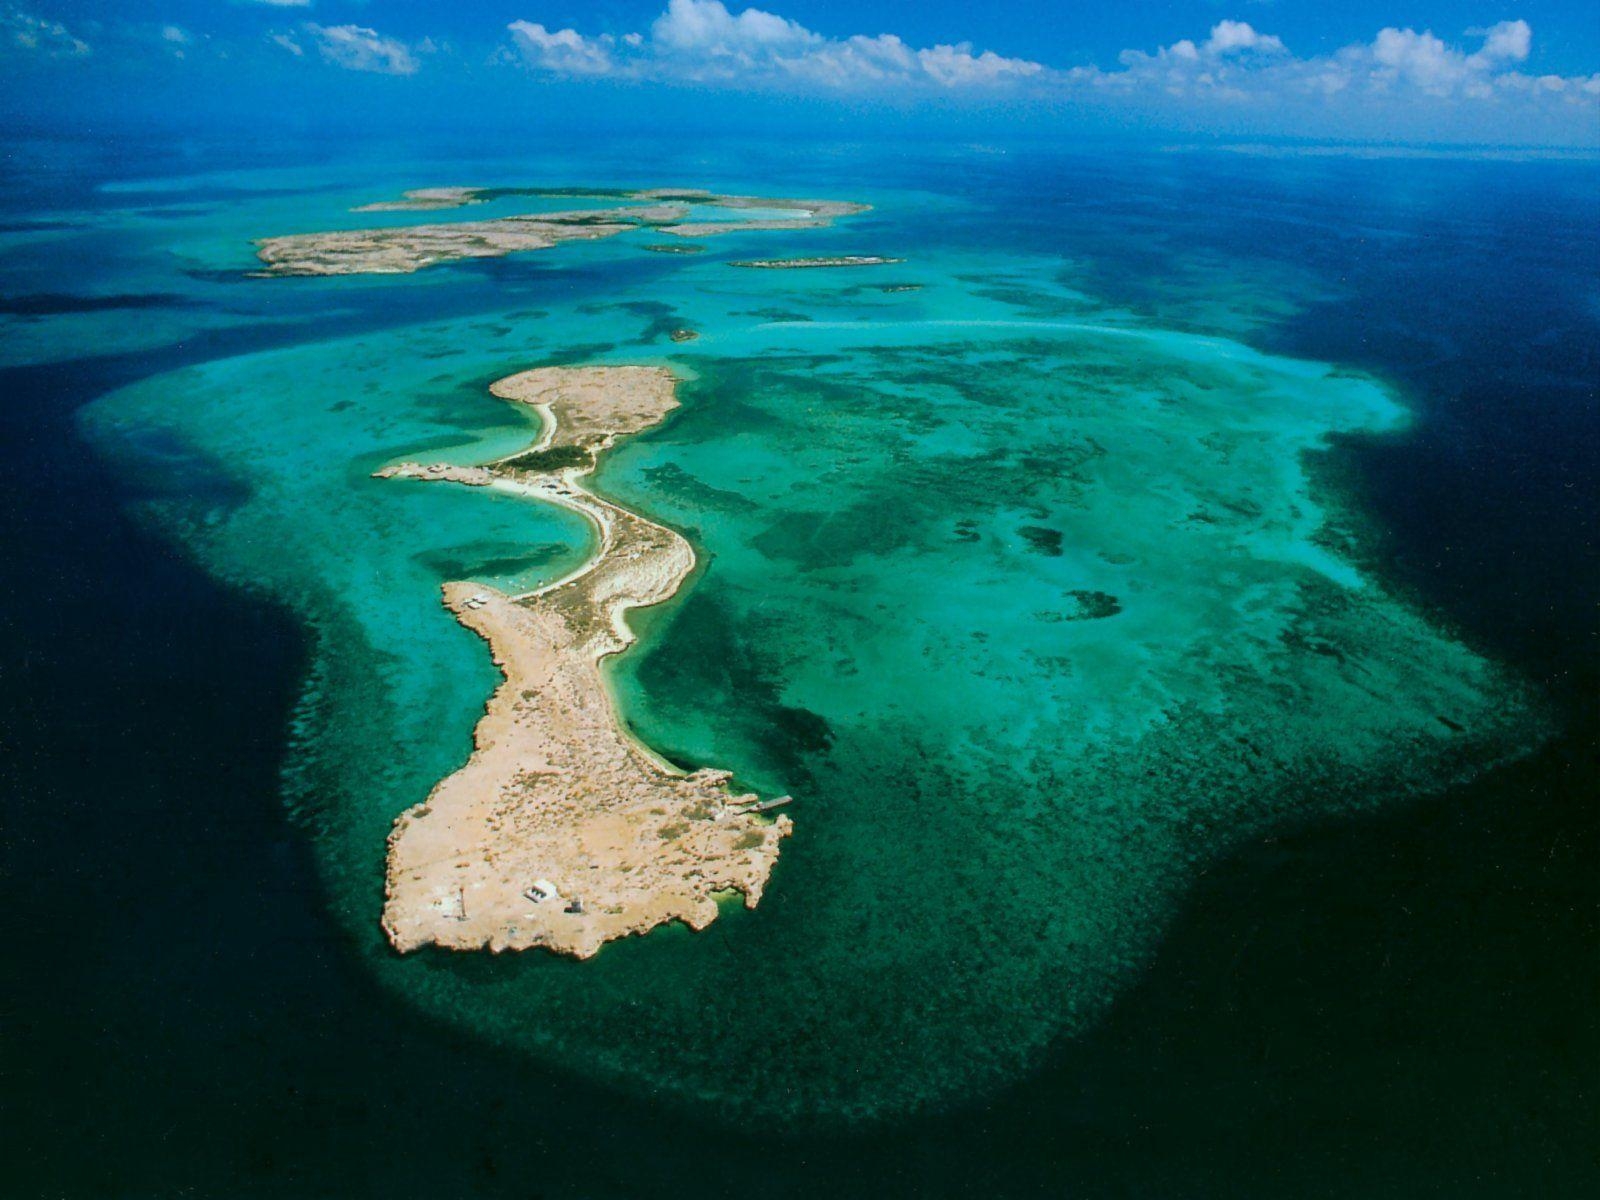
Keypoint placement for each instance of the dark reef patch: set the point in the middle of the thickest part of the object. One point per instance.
(180, 213)
(41, 226)
(776, 314)
(582, 353)
(689, 491)
(50, 304)
(496, 558)
(739, 659)
(1092, 606)
(1042, 540)
(218, 275)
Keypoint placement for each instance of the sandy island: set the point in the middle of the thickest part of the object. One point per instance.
(802, 264)
(561, 831)
(403, 249)
(407, 248)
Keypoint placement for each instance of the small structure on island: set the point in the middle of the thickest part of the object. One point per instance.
(541, 890)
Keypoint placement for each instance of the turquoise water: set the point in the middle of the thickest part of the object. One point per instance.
(1029, 598)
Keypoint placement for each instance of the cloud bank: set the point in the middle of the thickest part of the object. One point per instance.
(1480, 85)
(1237, 63)
(703, 42)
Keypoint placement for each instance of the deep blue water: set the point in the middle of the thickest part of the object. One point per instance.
(1400, 1006)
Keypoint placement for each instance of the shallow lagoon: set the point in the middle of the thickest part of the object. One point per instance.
(1030, 601)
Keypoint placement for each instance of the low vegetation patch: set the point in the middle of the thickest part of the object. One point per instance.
(556, 458)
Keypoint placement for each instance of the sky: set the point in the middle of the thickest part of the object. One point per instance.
(1474, 72)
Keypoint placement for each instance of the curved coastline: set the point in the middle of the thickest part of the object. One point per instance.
(562, 830)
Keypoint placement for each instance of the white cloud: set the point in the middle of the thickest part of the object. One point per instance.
(357, 48)
(1233, 37)
(957, 66)
(703, 41)
(1232, 53)
(1419, 59)
(1509, 41)
(1238, 64)
(24, 31)
(565, 52)
(288, 42)
(282, 3)
(706, 27)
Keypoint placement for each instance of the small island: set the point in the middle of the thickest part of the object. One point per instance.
(561, 831)
(802, 264)
(404, 249)
(426, 200)
(407, 248)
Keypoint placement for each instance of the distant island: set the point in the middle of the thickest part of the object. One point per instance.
(561, 831)
(801, 264)
(403, 249)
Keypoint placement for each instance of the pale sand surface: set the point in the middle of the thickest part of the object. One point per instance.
(426, 200)
(800, 264)
(810, 214)
(555, 791)
(408, 248)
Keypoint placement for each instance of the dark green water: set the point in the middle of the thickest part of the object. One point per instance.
(1069, 909)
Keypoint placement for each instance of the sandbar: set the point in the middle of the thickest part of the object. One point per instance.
(561, 831)
(426, 200)
(809, 214)
(802, 264)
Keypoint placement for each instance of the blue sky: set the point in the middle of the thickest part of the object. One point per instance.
(1472, 71)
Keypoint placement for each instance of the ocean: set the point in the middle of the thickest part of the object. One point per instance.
(1168, 593)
